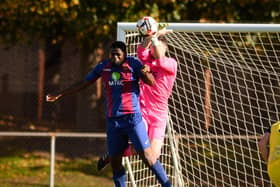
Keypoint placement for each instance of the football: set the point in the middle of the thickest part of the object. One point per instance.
(147, 26)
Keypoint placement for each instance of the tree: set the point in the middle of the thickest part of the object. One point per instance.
(89, 23)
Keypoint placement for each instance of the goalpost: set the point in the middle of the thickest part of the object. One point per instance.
(227, 92)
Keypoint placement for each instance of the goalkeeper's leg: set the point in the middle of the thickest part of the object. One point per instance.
(156, 166)
(150, 160)
(141, 143)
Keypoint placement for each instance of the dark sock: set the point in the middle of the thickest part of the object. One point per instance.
(160, 173)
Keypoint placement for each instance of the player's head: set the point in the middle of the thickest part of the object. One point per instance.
(162, 45)
(118, 52)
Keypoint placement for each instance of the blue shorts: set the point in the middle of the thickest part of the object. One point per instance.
(127, 127)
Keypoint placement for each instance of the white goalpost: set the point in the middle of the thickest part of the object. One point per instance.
(227, 92)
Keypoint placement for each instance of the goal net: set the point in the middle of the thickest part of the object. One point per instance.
(226, 94)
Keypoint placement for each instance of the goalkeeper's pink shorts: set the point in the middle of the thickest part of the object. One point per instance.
(156, 125)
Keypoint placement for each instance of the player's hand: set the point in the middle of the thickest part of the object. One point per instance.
(145, 69)
(161, 31)
(150, 35)
(52, 98)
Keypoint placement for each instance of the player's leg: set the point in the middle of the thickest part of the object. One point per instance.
(129, 151)
(156, 133)
(139, 137)
(116, 143)
(154, 164)
(104, 160)
(156, 145)
(119, 175)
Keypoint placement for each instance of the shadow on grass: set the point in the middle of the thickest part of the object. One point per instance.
(86, 167)
(22, 184)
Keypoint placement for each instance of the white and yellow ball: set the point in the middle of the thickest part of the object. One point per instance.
(147, 26)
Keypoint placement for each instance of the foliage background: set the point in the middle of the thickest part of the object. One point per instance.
(90, 25)
(89, 22)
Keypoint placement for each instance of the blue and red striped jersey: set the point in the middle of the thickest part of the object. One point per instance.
(121, 84)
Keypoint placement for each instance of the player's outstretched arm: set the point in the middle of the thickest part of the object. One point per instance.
(68, 91)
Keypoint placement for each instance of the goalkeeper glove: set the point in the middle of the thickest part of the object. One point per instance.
(154, 40)
(162, 26)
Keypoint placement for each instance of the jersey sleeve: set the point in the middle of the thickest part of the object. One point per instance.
(137, 66)
(95, 73)
(167, 64)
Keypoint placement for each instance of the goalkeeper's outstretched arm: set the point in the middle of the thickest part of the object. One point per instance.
(153, 40)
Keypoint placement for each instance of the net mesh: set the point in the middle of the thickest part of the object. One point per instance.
(225, 95)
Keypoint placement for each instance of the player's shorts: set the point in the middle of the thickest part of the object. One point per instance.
(120, 129)
(156, 126)
(273, 172)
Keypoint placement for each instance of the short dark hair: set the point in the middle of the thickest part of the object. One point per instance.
(119, 44)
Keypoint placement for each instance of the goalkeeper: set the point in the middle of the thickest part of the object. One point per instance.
(154, 99)
(271, 137)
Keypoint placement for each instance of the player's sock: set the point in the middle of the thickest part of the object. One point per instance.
(119, 178)
(103, 161)
(160, 173)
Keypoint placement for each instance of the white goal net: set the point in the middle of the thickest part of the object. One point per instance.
(227, 92)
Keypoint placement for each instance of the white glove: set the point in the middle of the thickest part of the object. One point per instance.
(154, 40)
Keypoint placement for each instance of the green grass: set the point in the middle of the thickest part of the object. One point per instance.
(25, 161)
(32, 170)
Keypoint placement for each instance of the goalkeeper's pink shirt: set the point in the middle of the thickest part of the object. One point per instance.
(154, 99)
